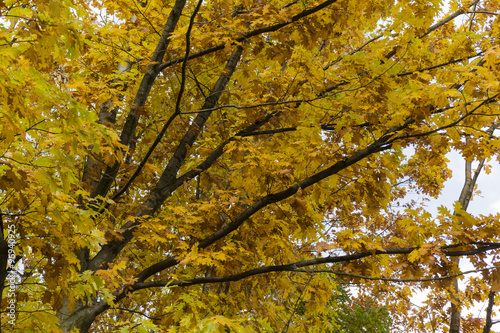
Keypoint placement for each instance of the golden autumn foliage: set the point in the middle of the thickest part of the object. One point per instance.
(209, 166)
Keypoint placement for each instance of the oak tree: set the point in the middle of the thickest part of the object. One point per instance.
(180, 166)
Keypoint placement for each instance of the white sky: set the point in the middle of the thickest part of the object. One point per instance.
(486, 202)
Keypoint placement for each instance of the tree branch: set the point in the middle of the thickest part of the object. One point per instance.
(377, 146)
(158, 195)
(293, 267)
(177, 110)
(160, 192)
(250, 34)
(448, 19)
(456, 122)
(489, 310)
(364, 277)
(142, 94)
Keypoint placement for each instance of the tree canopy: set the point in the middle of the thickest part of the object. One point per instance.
(213, 166)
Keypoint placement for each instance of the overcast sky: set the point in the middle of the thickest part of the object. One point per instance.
(487, 202)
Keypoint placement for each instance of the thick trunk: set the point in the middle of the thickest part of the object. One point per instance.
(81, 317)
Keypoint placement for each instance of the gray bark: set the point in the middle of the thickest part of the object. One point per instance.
(489, 310)
(464, 199)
